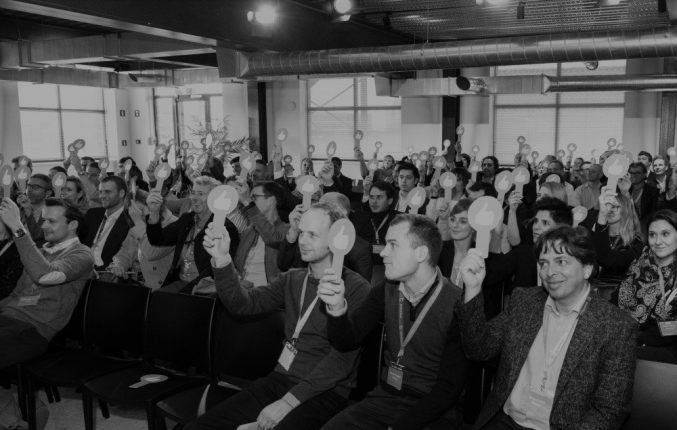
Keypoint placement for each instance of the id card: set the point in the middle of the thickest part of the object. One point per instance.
(668, 328)
(377, 249)
(287, 356)
(29, 300)
(395, 375)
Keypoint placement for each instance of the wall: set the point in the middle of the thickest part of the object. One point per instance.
(286, 108)
(641, 122)
(421, 120)
(475, 117)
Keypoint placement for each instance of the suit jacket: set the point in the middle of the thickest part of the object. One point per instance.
(358, 259)
(594, 389)
(421, 210)
(648, 203)
(117, 235)
(176, 234)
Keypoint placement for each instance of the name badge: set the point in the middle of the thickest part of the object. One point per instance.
(395, 375)
(29, 300)
(377, 249)
(668, 328)
(287, 356)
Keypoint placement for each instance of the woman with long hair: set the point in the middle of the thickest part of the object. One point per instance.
(553, 189)
(74, 192)
(649, 289)
(618, 239)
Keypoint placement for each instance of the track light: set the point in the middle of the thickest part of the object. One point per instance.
(475, 85)
(342, 7)
(591, 65)
(265, 14)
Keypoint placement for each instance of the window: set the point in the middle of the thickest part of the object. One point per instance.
(53, 116)
(339, 107)
(550, 122)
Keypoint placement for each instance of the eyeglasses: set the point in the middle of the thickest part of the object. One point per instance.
(253, 196)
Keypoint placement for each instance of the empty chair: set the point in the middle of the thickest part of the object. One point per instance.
(112, 328)
(653, 397)
(176, 356)
(245, 348)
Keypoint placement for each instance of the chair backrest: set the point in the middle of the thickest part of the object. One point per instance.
(179, 331)
(371, 361)
(653, 397)
(115, 316)
(246, 347)
(74, 330)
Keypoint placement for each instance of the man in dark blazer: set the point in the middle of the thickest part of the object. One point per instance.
(108, 225)
(567, 357)
(643, 194)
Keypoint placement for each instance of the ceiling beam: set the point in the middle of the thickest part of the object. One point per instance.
(213, 22)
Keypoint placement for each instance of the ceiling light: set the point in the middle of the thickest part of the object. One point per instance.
(607, 3)
(475, 85)
(591, 65)
(342, 7)
(266, 14)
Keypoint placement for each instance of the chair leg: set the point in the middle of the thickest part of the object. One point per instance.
(55, 392)
(160, 421)
(88, 411)
(31, 404)
(48, 392)
(21, 390)
(104, 409)
(151, 416)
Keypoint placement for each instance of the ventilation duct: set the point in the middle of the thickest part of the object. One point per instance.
(549, 48)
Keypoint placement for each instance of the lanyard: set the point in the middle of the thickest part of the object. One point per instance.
(6, 247)
(303, 319)
(557, 349)
(661, 284)
(404, 342)
(376, 230)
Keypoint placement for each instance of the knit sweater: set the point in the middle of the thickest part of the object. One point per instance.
(434, 363)
(57, 302)
(317, 367)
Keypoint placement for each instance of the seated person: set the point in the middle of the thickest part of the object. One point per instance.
(358, 259)
(10, 262)
(74, 192)
(312, 380)
(378, 205)
(136, 251)
(408, 177)
(49, 286)
(424, 372)
(108, 225)
(649, 291)
(567, 357)
(256, 255)
(38, 189)
(191, 262)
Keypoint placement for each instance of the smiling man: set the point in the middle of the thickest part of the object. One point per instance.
(567, 357)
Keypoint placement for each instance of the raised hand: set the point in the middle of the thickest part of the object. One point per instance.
(515, 200)
(473, 272)
(154, 203)
(332, 290)
(217, 243)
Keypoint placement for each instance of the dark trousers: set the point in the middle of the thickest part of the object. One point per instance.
(377, 411)
(19, 341)
(244, 407)
(502, 421)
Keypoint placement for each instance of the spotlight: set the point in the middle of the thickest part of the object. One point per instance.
(266, 14)
(471, 84)
(591, 65)
(342, 7)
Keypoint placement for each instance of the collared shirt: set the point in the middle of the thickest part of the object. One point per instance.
(588, 195)
(416, 297)
(102, 236)
(49, 248)
(541, 370)
(403, 202)
(255, 267)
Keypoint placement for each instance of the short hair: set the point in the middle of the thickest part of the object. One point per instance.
(645, 154)
(206, 181)
(44, 178)
(409, 166)
(385, 187)
(574, 241)
(561, 165)
(71, 212)
(462, 175)
(261, 162)
(331, 211)
(59, 169)
(488, 189)
(557, 190)
(422, 232)
(124, 159)
(15, 160)
(466, 158)
(462, 205)
(559, 211)
(493, 159)
(638, 165)
(118, 181)
(94, 164)
(338, 199)
(87, 158)
(215, 171)
(273, 189)
(337, 160)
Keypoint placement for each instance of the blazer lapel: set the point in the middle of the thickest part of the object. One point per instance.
(583, 335)
(529, 324)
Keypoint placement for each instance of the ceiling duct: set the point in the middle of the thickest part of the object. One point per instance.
(548, 48)
(564, 84)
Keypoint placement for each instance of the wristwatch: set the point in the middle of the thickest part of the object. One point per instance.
(20, 232)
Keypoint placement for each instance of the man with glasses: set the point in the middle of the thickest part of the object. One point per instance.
(256, 255)
(644, 196)
(39, 188)
(191, 262)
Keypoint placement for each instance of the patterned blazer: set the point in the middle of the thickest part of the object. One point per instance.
(594, 388)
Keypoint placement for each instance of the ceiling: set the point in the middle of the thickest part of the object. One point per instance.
(306, 24)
